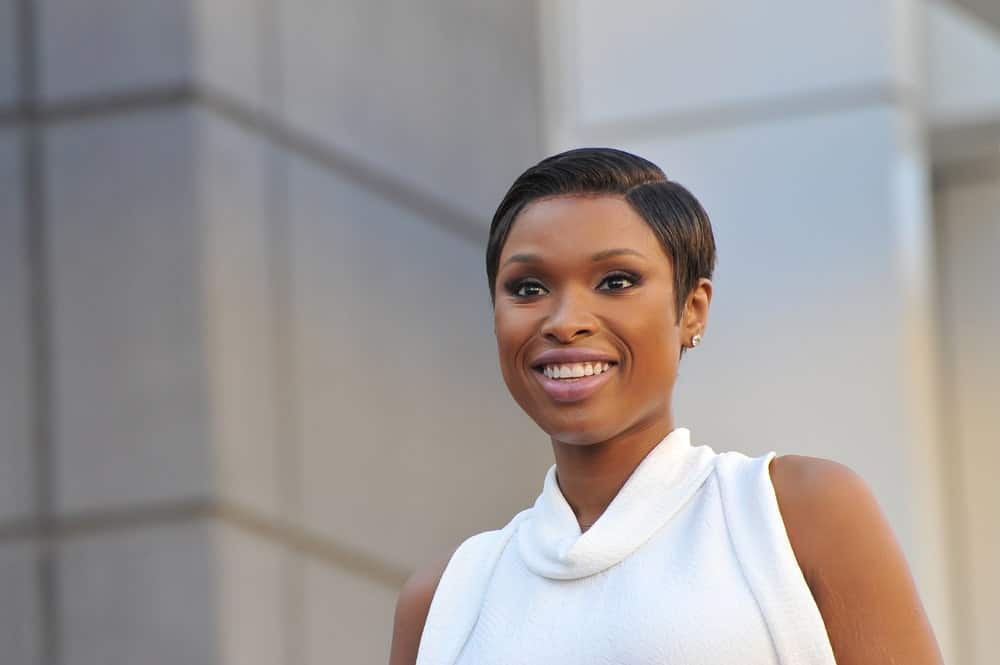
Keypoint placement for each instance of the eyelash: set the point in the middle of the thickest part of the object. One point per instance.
(630, 277)
(514, 286)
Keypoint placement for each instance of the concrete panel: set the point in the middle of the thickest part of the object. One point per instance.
(348, 619)
(970, 226)
(229, 54)
(640, 58)
(20, 620)
(112, 46)
(987, 9)
(9, 60)
(251, 599)
(803, 348)
(963, 67)
(16, 471)
(236, 247)
(129, 415)
(409, 440)
(442, 95)
(138, 596)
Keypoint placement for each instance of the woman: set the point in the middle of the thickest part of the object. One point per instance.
(643, 548)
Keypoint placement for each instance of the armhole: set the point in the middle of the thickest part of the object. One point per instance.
(459, 595)
(758, 534)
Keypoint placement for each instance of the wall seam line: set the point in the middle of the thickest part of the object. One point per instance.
(270, 66)
(302, 540)
(426, 205)
(39, 318)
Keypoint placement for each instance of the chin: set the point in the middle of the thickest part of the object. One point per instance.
(578, 438)
(580, 431)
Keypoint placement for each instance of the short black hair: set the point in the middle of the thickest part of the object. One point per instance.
(674, 214)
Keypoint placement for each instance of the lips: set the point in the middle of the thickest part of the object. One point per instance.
(572, 375)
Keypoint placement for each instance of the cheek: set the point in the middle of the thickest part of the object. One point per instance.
(512, 329)
(656, 344)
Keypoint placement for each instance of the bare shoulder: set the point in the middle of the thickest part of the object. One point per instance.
(813, 495)
(854, 566)
(412, 606)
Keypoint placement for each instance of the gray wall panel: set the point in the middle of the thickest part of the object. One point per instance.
(139, 596)
(442, 95)
(409, 440)
(229, 47)
(20, 618)
(112, 46)
(251, 598)
(347, 618)
(970, 234)
(16, 382)
(9, 57)
(237, 246)
(129, 413)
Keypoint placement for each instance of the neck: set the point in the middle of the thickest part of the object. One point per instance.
(590, 476)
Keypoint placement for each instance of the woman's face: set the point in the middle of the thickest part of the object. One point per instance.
(584, 287)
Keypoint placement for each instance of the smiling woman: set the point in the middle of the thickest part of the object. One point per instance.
(593, 282)
(643, 547)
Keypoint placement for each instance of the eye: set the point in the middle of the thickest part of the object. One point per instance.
(526, 288)
(618, 281)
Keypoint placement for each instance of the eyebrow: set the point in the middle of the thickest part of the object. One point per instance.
(600, 256)
(621, 251)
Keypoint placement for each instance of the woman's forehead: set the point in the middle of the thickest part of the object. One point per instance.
(580, 224)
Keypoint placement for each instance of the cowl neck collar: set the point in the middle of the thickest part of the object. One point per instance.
(549, 537)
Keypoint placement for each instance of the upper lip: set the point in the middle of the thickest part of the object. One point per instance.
(572, 355)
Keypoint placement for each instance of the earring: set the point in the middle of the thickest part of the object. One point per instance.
(695, 341)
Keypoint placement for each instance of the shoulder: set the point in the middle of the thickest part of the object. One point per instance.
(412, 607)
(466, 564)
(852, 563)
(821, 502)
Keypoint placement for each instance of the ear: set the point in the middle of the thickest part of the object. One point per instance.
(695, 318)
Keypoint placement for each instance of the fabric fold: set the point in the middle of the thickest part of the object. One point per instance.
(707, 576)
(549, 538)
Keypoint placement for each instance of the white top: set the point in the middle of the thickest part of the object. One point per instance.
(690, 564)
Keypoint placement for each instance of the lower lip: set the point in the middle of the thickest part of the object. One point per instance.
(573, 390)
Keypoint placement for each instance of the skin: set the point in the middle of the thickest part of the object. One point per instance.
(551, 293)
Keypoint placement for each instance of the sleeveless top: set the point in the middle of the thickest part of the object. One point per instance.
(689, 564)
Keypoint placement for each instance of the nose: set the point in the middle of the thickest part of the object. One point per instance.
(569, 320)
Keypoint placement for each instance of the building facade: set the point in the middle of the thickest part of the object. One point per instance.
(247, 373)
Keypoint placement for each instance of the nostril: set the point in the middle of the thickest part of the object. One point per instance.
(564, 336)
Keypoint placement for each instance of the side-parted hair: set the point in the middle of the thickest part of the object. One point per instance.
(673, 213)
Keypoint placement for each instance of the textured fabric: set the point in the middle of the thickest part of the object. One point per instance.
(550, 541)
(689, 564)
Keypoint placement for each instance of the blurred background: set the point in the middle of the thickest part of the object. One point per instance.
(247, 370)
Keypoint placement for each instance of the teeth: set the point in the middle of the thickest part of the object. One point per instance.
(575, 370)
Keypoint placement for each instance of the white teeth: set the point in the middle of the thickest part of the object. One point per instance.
(575, 370)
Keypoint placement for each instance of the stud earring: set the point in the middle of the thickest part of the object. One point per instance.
(695, 341)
